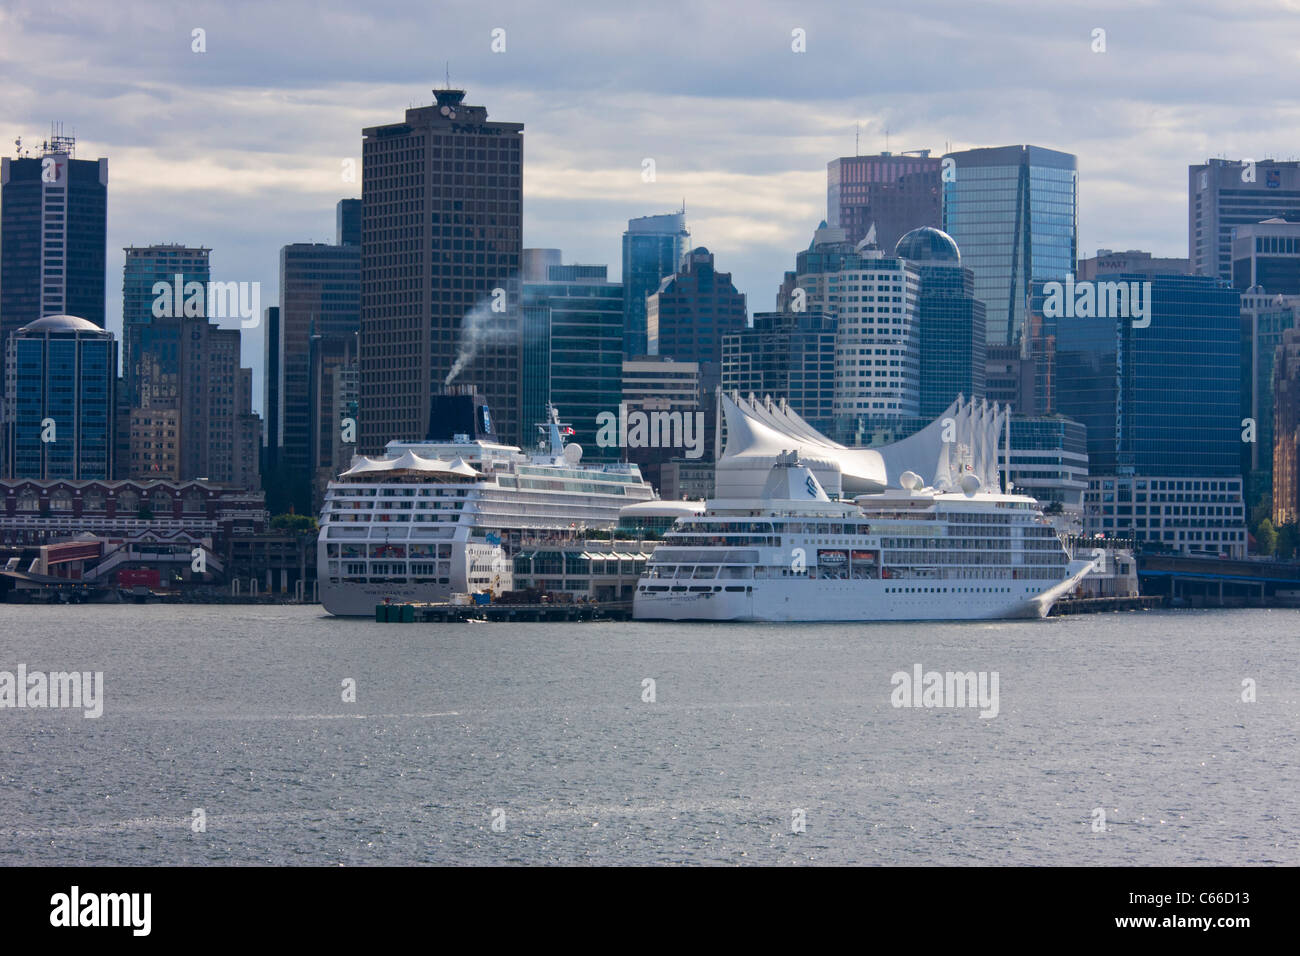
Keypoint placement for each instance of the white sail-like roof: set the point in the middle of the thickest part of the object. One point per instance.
(757, 434)
(965, 440)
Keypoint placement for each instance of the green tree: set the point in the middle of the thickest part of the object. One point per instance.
(1266, 538)
(294, 522)
(1288, 536)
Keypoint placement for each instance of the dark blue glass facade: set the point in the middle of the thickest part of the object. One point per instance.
(60, 404)
(788, 355)
(1161, 400)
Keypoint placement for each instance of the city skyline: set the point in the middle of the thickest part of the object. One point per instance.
(745, 141)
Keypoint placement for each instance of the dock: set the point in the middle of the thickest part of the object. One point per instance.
(1099, 605)
(501, 613)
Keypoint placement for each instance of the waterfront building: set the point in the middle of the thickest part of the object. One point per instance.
(60, 401)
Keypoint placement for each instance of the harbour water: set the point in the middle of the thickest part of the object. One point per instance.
(549, 732)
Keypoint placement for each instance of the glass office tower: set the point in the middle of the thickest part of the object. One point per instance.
(1159, 400)
(573, 352)
(1013, 211)
(60, 399)
(653, 247)
(950, 321)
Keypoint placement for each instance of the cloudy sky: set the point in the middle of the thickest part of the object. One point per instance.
(241, 148)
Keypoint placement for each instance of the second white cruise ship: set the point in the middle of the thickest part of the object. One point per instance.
(784, 550)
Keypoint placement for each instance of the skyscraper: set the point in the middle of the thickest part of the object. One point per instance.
(1013, 212)
(441, 239)
(951, 343)
(60, 398)
(573, 351)
(145, 266)
(895, 194)
(1223, 194)
(653, 247)
(320, 296)
(347, 222)
(874, 299)
(1266, 257)
(194, 418)
(786, 355)
(690, 312)
(1160, 395)
(53, 213)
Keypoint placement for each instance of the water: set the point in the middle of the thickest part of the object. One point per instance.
(239, 711)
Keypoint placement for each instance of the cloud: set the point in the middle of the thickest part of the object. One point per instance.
(240, 148)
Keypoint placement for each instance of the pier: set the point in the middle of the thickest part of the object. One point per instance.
(501, 613)
(1099, 605)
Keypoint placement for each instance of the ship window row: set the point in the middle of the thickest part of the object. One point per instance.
(953, 590)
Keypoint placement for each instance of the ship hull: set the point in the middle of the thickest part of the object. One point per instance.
(807, 600)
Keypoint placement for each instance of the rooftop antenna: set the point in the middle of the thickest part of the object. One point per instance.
(448, 65)
(857, 139)
(886, 139)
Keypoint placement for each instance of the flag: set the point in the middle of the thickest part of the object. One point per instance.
(567, 430)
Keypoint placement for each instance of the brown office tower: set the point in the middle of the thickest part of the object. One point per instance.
(441, 242)
(893, 193)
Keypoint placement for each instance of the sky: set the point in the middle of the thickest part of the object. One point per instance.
(242, 146)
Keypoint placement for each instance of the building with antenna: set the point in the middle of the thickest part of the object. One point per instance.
(895, 193)
(53, 213)
(441, 233)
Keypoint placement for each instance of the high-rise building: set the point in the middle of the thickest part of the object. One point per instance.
(653, 247)
(660, 384)
(60, 400)
(53, 214)
(690, 312)
(951, 343)
(786, 355)
(873, 298)
(271, 346)
(441, 240)
(333, 403)
(537, 263)
(347, 222)
(320, 295)
(1224, 194)
(195, 417)
(1265, 318)
(1160, 395)
(1108, 262)
(145, 267)
(892, 194)
(1266, 257)
(1286, 430)
(573, 351)
(1013, 212)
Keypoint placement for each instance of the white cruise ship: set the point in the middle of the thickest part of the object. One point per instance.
(958, 549)
(438, 517)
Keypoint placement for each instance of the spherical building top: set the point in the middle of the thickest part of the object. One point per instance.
(928, 244)
(61, 324)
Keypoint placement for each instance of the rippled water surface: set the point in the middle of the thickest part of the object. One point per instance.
(543, 727)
